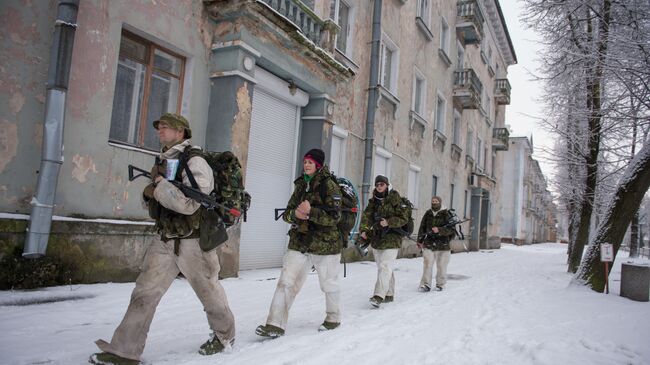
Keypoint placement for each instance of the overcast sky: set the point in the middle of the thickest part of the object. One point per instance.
(524, 106)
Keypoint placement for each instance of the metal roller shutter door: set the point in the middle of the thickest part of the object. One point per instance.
(272, 145)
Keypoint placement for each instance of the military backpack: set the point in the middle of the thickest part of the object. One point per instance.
(349, 206)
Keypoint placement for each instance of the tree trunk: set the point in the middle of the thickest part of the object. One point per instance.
(594, 90)
(634, 236)
(622, 207)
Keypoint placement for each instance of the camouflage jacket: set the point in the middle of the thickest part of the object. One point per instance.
(390, 209)
(435, 241)
(318, 235)
(176, 215)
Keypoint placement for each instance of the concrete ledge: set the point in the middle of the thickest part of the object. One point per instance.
(635, 281)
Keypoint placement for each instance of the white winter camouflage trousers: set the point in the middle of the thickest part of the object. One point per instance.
(295, 268)
(441, 260)
(160, 267)
(385, 260)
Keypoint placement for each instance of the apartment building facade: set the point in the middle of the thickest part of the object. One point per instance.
(268, 80)
(528, 211)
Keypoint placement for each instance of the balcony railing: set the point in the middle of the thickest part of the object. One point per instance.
(467, 89)
(469, 23)
(502, 91)
(300, 15)
(500, 139)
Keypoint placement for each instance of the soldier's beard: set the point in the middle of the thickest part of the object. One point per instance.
(435, 207)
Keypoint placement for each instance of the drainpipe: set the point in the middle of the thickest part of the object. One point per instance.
(40, 218)
(372, 100)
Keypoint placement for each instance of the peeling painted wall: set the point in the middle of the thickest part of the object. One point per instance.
(93, 171)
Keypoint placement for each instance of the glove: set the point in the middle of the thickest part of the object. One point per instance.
(147, 193)
(158, 170)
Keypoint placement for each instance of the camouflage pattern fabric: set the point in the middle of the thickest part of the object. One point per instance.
(319, 235)
(433, 241)
(391, 209)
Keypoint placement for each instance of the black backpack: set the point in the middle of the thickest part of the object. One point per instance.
(349, 206)
(408, 228)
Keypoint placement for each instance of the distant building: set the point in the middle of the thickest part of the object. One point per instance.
(527, 208)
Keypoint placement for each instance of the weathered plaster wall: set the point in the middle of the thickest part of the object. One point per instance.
(93, 171)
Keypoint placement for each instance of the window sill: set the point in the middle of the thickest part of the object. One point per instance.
(483, 57)
(438, 136)
(352, 66)
(488, 122)
(424, 28)
(130, 147)
(387, 95)
(445, 58)
(490, 70)
(469, 162)
(456, 152)
(416, 117)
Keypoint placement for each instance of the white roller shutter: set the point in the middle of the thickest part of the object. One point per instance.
(269, 172)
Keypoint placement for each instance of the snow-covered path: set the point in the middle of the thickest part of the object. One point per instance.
(507, 306)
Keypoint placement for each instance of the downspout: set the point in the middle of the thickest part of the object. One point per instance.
(40, 218)
(372, 100)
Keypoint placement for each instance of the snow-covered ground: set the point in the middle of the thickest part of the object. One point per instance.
(507, 306)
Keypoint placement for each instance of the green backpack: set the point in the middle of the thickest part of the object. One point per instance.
(228, 183)
(349, 206)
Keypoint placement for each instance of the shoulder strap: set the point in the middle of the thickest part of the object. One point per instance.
(185, 157)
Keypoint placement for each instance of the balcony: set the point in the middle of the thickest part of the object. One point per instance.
(467, 89)
(469, 22)
(311, 26)
(502, 92)
(500, 139)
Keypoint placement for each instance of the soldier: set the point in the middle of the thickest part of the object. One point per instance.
(433, 239)
(314, 240)
(177, 220)
(381, 223)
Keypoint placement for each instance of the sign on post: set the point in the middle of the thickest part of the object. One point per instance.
(606, 256)
(606, 252)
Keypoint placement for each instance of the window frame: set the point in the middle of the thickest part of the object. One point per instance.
(335, 17)
(387, 43)
(440, 120)
(434, 185)
(419, 76)
(148, 63)
(445, 42)
(414, 196)
(342, 134)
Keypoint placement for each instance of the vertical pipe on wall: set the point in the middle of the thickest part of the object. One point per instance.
(372, 100)
(40, 218)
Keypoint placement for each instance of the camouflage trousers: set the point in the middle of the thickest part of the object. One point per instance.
(295, 268)
(160, 267)
(441, 260)
(385, 260)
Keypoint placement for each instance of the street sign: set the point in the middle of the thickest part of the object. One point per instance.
(606, 252)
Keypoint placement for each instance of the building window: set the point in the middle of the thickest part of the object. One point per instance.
(451, 197)
(470, 143)
(341, 12)
(479, 149)
(423, 12)
(460, 56)
(444, 36)
(434, 185)
(457, 126)
(149, 83)
(389, 64)
(419, 93)
(381, 165)
(337, 155)
(414, 184)
(441, 106)
(465, 203)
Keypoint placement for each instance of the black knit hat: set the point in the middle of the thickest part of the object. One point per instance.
(381, 178)
(316, 155)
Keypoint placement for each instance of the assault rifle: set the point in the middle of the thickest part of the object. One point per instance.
(207, 201)
(452, 223)
(280, 211)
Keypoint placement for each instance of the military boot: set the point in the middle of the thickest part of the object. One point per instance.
(424, 288)
(269, 330)
(388, 299)
(106, 358)
(213, 345)
(376, 301)
(326, 326)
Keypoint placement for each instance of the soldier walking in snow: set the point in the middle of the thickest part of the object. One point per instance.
(433, 239)
(314, 240)
(381, 223)
(177, 219)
